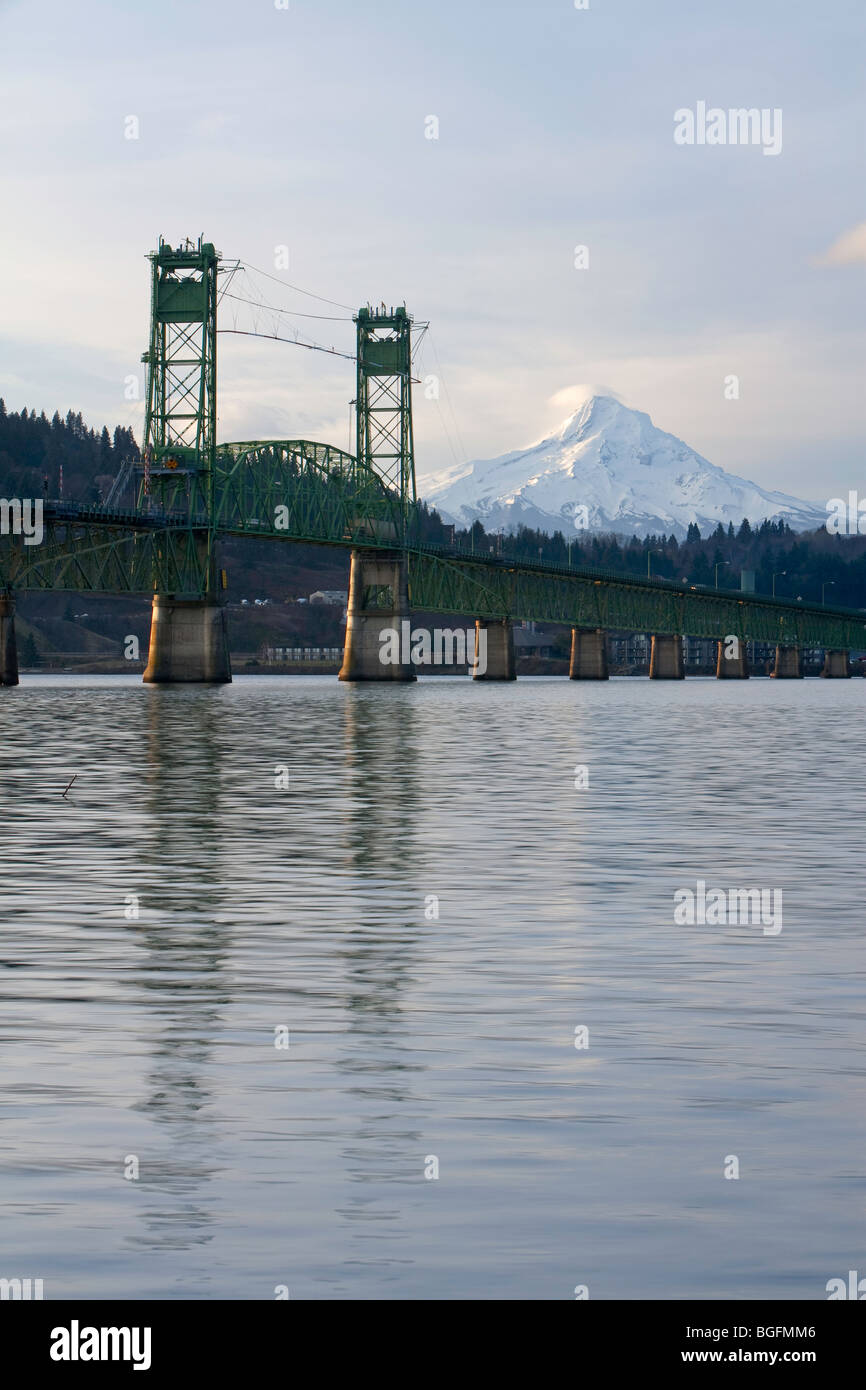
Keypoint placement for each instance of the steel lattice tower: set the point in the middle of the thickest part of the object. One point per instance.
(384, 400)
(180, 419)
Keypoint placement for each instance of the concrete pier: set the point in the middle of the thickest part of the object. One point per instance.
(187, 642)
(666, 658)
(836, 664)
(8, 649)
(732, 667)
(789, 664)
(378, 605)
(500, 664)
(588, 655)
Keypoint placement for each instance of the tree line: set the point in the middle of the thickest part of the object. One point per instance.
(41, 457)
(813, 565)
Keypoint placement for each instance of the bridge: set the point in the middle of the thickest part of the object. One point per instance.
(159, 530)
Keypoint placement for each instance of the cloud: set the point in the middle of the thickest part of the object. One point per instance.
(848, 249)
(571, 398)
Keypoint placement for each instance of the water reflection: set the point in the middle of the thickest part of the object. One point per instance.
(379, 956)
(181, 969)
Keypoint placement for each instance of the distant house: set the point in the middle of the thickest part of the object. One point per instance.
(528, 642)
(338, 597)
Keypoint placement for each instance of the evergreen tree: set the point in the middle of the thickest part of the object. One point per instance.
(106, 458)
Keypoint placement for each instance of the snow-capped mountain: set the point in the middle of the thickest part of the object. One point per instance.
(629, 476)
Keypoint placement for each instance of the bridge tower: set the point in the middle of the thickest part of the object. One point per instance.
(180, 415)
(383, 401)
(378, 583)
(187, 640)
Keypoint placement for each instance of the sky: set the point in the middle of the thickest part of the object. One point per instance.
(307, 127)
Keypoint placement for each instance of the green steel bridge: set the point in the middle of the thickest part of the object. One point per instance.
(96, 550)
(188, 492)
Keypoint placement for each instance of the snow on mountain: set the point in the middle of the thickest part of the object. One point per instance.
(629, 476)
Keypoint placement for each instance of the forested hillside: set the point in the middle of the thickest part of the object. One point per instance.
(41, 457)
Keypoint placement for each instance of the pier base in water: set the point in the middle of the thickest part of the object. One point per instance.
(666, 658)
(496, 663)
(836, 665)
(8, 649)
(588, 655)
(187, 642)
(732, 668)
(378, 605)
(789, 664)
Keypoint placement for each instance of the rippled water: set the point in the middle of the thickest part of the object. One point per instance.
(413, 1036)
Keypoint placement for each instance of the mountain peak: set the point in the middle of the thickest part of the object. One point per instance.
(629, 476)
(580, 400)
(595, 410)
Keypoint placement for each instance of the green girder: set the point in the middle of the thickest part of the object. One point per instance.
(442, 583)
(93, 556)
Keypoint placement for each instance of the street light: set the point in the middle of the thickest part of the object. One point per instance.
(828, 584)
(720, 562)
(655, 551)
(775, 577)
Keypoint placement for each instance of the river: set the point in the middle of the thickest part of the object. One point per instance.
(378, 992)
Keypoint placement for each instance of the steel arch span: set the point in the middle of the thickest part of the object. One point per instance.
(301, 490)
